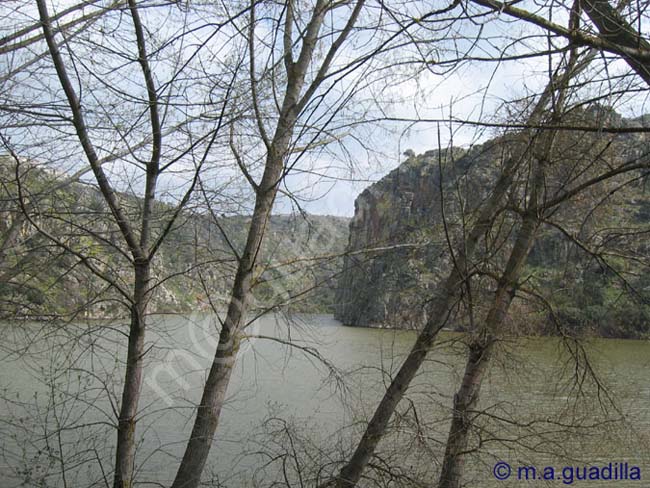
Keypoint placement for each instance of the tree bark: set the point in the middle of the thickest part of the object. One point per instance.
(616, 35)
(480, 350)
(351, 473)
(615, 29)
(214, 393)
(467, 397)
(125, 448)
(141, 255)
(465, 401)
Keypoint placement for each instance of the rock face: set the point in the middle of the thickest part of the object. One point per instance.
(397, 245)
(405, 224)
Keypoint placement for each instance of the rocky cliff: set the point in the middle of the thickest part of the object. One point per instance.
(398, 249)
(396, 253)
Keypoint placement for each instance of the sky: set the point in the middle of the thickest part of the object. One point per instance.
(471, 92)
(463, 94)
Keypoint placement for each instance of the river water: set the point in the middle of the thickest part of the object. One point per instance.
(295, 410)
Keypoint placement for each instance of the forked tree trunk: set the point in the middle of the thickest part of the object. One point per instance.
(351, 472)
(480, 351)
(214, 393)
(138, 245)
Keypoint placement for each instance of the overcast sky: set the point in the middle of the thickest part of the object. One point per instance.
(471, 92)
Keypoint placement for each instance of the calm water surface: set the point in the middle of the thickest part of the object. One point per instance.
(537, 407)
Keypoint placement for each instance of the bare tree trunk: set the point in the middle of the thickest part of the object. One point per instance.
(214, 393)
(438, 316)
(125, 449)
(278, 148)
(465, 401)
(615, 29)
(467, 397)
(616, 35)
(139, 247)
(480, 350)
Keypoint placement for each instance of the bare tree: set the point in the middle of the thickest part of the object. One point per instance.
(121, 108)
(465, 264)
(303, 68)
(249, 92)
(143, 105)
(541, 150)
(614, 33)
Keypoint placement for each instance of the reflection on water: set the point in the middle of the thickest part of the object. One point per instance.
(303, 405)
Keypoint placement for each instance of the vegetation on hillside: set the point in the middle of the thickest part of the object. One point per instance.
(298, 265)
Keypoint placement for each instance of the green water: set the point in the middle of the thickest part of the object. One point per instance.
(537, 408)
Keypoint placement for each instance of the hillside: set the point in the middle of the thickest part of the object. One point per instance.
(594, 281)
(193, 268)
(380, 272)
